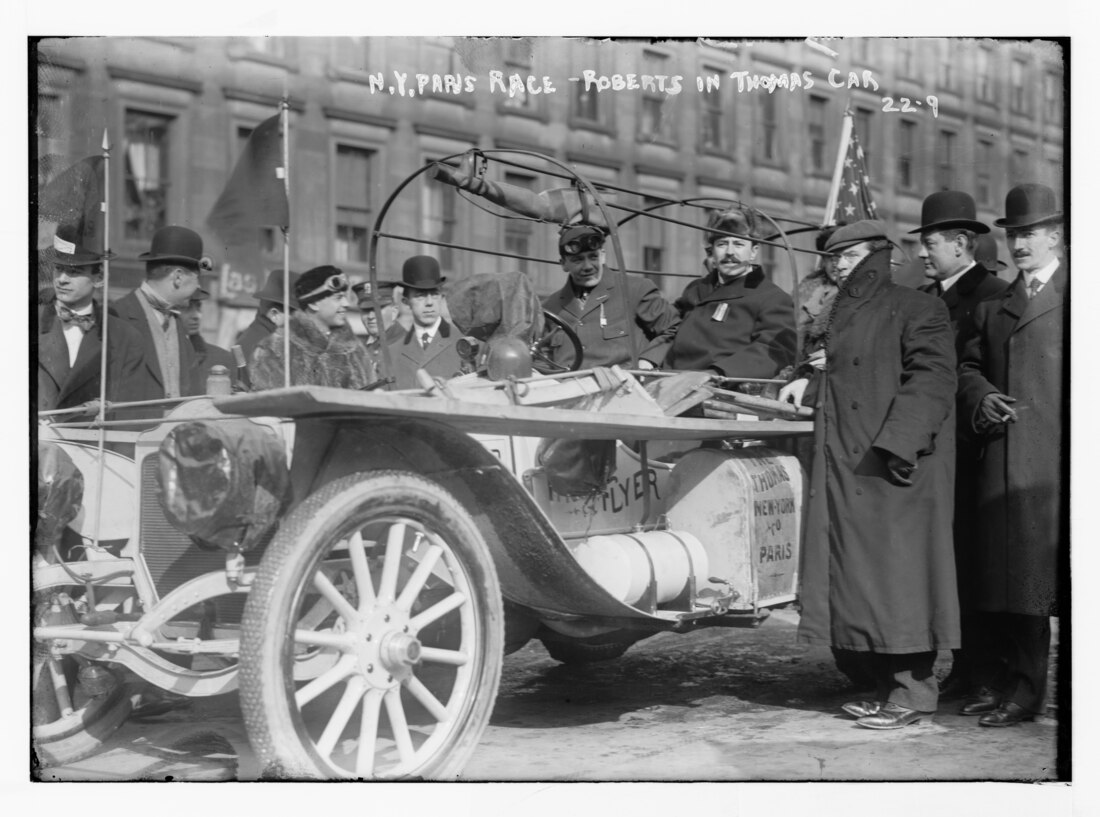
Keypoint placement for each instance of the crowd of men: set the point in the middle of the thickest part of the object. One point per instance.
(936, 517)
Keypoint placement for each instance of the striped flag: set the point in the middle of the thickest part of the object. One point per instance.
(850, 197)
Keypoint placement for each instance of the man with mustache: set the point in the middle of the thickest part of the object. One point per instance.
(736, 322)
(323, 349)
(1011, 393)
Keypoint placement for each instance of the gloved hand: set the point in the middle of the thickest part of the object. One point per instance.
(793, 391)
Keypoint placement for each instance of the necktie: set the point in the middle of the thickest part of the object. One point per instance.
(167, 314)
(1033, 287)
(425, 339)
(70, 318)
(939, 289)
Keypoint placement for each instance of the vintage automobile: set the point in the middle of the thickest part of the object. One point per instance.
(358, 563)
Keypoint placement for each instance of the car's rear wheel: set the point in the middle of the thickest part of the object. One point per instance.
(373, 635)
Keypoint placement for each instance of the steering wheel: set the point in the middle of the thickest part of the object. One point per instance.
(540, 357)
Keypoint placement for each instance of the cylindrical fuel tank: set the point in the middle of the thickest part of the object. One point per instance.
(626, 564)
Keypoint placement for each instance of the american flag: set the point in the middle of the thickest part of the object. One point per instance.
(853, 201)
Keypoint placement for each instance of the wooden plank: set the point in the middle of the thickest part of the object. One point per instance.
(481, 418)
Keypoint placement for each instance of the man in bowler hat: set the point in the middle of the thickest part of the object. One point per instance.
(1010, 393)
(70, 335)
(431, 342)
(270, 314)
(171, 277)
(949, 235)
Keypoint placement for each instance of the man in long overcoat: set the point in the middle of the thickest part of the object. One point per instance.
(1011, 391)
(949, 237)
(591, 304)
(878, 568)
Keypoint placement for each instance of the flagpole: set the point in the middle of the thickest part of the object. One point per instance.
(284, 110)
(838, 171)
(103, 330)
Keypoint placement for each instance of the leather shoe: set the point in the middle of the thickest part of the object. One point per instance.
(892, 716)
(861, 709)
(1007, 714)
(979, 703)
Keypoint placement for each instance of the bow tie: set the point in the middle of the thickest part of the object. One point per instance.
(70, 318)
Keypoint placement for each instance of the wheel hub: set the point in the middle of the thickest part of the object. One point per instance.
(386, 648)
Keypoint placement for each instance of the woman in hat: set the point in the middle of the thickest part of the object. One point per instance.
(323, 349)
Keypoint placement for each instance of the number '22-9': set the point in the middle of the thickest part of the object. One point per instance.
(933, 103)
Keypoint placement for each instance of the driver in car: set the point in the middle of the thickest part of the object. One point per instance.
(591, 305)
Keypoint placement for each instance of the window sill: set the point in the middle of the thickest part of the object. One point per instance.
(504, 109)
(592, 125)
(652, 139)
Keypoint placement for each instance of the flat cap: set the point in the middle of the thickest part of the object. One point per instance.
(852, 234)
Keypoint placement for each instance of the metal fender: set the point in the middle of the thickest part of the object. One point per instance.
(535, 567)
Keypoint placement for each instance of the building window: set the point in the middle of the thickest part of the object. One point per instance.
(863, 119)
(946, 155)
(1019, 169)
(816, 133)
(146, 152)
(269, 46)
(987, 88)
(1019, 90)
(907, 146)
(353, 186)
(517, 60)
(948, 64)
(983, 189)
(518, 232)
(769, 128)
(1052, 98)
(861, 50)
(46, 128)
(439, 220)
(906, 67)
(711, 111)
(653, 241)
(653, 124)
(267, 240)
(351, 53)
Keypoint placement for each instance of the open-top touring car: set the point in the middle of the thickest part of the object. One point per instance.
(357, 563)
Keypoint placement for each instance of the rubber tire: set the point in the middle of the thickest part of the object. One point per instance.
(301, 541)
(573, 651)
(84, 732)
(570, 335)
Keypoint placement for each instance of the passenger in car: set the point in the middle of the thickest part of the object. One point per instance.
(592, 305)
(70, 335)
(323, 349)
(736, 322)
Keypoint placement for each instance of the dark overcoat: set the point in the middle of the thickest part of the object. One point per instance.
(744, 328)
(602, 324)
(207, 356)
(440, 359)
(878, 567)
(975, 285)
(256, 331)
(1014, 346)
(129, 309)
(64, 386)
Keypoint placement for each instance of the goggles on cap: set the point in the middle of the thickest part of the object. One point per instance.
(586, 243)
(331, 285)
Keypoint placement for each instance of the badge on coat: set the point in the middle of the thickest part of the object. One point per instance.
(720, 312)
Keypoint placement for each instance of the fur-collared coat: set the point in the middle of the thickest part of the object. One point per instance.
(316, 359)
(1014, 346)
(878, 563)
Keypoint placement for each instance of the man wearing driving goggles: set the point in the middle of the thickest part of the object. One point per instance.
(323, 349)
(592, 306)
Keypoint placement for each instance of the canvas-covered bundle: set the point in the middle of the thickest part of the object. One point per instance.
(60, 493)
(223, 483)
(490, 305)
